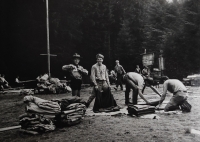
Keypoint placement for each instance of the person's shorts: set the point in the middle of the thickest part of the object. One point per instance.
(76, 84)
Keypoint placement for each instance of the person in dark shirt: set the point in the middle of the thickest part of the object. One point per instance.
(119, 71)
(76, 71)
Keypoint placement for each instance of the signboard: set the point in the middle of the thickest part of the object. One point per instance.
(148, 59)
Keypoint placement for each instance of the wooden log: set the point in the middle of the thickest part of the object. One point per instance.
(27, 81)
(10, 128)
(28, 132)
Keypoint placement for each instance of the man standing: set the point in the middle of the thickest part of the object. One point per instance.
(101, 89)
(179, 94)
(76, 72)
(119, 71)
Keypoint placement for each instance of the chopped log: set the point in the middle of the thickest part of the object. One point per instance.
(10, 128)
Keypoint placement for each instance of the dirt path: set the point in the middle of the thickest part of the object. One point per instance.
(169, 128)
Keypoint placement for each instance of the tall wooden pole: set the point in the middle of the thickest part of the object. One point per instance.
(48, 48)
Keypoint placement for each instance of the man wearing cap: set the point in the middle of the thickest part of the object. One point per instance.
(76, 71)
(100, 80)
(119, 71)
(179, 94)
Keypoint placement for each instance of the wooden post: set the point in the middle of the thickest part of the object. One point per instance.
(48, 48)
(161, 64)
(48, 45)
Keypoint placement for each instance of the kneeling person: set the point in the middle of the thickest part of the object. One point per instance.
(179, 94)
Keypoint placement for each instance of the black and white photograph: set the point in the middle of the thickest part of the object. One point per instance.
(100, 71)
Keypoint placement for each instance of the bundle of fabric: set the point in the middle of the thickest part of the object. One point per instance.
(139, 110)
(73, 114)
(35, 124)
(52, 88)
(61, 86)
(44, 77)
(43, 115)
(110, 109)
(73, 111)
(56, 81)
(104, 101)
(26, 92)
(54, 85)
(64, 103)
(41, 106)
(42, 85)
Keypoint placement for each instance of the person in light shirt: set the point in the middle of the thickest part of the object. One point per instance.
(179, 94)
(102, 89)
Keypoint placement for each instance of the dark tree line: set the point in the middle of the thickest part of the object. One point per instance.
(118, 29)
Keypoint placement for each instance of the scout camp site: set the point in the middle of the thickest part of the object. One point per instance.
(120, 127)
(100, 70)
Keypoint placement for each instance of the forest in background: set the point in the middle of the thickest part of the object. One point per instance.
(119, 29)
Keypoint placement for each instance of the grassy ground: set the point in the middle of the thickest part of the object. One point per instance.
(169, 128)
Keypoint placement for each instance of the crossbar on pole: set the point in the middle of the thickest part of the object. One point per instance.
(50, 54)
